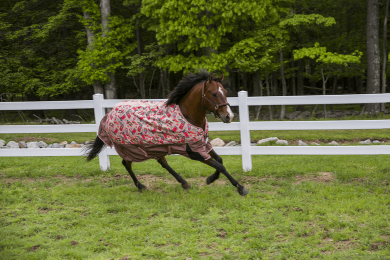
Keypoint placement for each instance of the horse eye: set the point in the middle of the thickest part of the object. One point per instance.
(213, 94)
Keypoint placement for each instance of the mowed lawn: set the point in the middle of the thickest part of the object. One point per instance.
(299, 207)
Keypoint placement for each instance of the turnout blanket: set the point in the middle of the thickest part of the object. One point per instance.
(142, 130)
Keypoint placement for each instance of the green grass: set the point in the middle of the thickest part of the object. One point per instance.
(72, 210)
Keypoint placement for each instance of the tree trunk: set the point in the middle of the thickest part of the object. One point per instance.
(284, 86)
(300, 91)
(105, 11)
(97, 85)
(274, 83)
(257, 91)
(384, 51)
(271, 116)
(373, 59)
(293, 87)
(245, 81)
(142, 74)
(324, 80)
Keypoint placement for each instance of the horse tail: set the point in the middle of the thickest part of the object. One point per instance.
(93, 150)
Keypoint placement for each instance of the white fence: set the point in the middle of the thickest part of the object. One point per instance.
(244, 126)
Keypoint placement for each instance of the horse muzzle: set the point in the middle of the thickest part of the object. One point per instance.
(226, 115)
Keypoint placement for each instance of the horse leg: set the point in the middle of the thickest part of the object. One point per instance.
(219, 167)
(180, 179)
(127, 165)
(214, 176)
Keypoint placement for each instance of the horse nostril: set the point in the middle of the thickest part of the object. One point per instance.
(228, 117)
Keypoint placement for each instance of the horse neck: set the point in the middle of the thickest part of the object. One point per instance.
(192, 108)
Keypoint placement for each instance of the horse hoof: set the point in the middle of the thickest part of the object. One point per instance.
(186, 186)
(209, 180)
(142, 187)
(242, 191)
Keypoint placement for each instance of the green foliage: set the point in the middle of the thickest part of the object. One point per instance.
(138, 63)
(211, 29)
(107, 54)
(302, 19)
(39, 40)
(321, 55)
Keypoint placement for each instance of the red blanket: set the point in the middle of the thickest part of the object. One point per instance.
(142, 130)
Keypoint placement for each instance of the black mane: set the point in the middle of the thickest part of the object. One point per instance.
(185, 84)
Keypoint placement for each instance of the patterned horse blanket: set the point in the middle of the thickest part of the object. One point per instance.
(142, 130)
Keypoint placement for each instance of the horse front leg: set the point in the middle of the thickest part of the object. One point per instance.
(214, 176)
(219, 167)
(180, 179)
(127, 165)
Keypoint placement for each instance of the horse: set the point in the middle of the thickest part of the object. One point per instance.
(135, 139)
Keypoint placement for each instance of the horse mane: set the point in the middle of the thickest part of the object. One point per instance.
(187, 83)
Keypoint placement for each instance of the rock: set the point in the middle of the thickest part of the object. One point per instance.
(293, 115)
(252, 144)
(50, 146)
(74, 146)
(67, 145)
(217, 142)
(282, 142)
(57, 121)
(368, 141)
(73, 142)
(305, 114)
(88, 142)
(232, 143)
(300, 142)
(269, 139)
(22, 144)
(333, 143)
(376, 142)
(2, 143)
(314, 143)
(32, 145)
(56, 145)
(12, 145)
(64, 143)
(42, 144)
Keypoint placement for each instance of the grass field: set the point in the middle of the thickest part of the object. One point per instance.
(299, 207)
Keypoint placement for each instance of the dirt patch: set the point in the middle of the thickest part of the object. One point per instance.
(34, 248)
(222, 233)
(44, 210)
(323, 177)
(74, 243)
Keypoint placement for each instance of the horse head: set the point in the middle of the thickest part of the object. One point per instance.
(214, 99)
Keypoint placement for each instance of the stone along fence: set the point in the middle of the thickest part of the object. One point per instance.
(244, 126)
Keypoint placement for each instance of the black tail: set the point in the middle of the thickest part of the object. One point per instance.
(93, 150)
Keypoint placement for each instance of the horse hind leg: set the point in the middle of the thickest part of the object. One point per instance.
(127, 165)
(180, 179)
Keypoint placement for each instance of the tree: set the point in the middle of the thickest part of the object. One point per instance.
(384, 51)
(330, 62)
(373, 54)
(111, 45)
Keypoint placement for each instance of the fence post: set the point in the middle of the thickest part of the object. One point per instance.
(244, 131)
(104, 160)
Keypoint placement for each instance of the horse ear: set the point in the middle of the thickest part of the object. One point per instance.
(221, 78)
(211, 77)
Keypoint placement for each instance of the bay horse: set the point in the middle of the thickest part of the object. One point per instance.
(180, 128)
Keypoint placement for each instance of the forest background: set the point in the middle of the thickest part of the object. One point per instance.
(71, 49)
